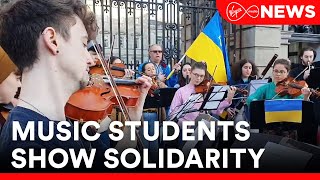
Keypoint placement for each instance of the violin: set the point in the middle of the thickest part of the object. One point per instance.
(118, 70)
(89, 104)
(129, 90)
(206, 85)
(293, 88)
(97, 69)
(96, 101)
(154, 86)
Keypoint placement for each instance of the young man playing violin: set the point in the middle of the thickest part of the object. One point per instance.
(47, 40)
(307, 56)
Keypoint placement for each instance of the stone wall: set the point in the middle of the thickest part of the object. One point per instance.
(259, 44)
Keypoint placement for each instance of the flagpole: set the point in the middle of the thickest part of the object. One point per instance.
(171, 73)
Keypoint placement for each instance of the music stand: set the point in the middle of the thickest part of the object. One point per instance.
(307, 129)
(178, 113)
(186, 107)
(166, 96)
(213, 98)
(255, 84)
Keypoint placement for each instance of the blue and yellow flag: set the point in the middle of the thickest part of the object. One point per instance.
(210, 47)
(283, 110)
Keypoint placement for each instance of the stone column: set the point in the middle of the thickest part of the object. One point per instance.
(259, 43)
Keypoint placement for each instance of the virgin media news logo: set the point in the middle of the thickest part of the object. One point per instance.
(269, 11)
(236, 11)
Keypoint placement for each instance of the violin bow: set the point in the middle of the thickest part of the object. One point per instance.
(304, 70)
(113, 84)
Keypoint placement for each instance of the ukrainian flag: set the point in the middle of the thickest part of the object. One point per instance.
(283, 110)
(210, 47)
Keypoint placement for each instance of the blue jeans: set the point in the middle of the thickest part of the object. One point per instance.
(152, 146)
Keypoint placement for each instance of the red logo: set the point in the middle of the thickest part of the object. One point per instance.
(236, 11)
(264, 12)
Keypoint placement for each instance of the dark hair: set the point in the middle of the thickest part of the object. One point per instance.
(308, 49)
(237, 69)
(181, 80)
(199, 65)
(144, 66)
(22, 22)
(94, 47)
(113, 58)
(285, 62)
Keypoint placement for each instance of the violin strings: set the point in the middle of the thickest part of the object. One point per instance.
(112, 83)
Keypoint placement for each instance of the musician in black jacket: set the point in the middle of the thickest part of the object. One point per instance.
(307, 56)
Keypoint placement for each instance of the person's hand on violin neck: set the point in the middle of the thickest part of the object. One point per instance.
(231, 92)
(231, 112)
(145, 84)
(306, 93)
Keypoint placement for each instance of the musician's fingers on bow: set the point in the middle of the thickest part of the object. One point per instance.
(145, 82)
(306, 74)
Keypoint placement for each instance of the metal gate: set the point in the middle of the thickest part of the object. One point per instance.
(136, 24)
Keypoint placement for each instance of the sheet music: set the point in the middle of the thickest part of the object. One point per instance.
(214, 97)
(211, 105)
(220, 88)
